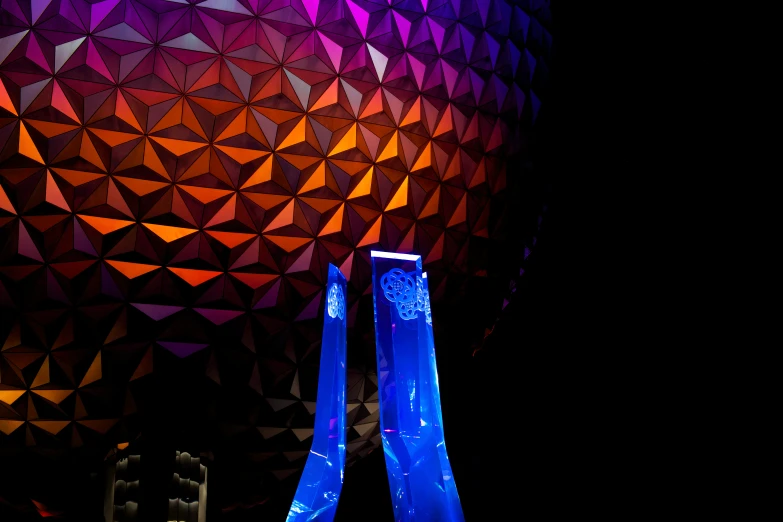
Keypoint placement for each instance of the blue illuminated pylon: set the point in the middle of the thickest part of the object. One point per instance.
(422, 485)
(322, 479)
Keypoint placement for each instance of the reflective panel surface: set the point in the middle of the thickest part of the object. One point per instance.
(319, 488)
(420, 477)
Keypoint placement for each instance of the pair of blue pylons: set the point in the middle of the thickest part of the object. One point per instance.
(422, 486)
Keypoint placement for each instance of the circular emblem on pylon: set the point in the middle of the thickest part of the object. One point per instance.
(407, 309)
(398, 286)
(335, 302)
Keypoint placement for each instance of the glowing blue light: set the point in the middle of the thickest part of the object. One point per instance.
(322, 479)
(420, 478)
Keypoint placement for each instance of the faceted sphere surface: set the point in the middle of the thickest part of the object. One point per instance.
(176, 176)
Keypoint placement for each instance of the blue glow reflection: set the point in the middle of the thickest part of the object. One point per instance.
(420, 478)
(322, 479)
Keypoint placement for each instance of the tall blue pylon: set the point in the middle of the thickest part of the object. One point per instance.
(420, 478)
(322, 479)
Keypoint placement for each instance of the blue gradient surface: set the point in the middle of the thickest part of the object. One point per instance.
(422, 485)
(322, 479)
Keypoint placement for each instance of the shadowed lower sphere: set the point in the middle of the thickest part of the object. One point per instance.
(176, 177)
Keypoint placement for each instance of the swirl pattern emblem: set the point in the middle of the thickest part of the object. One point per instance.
(407, 291)
(398, 286)
(335, 302)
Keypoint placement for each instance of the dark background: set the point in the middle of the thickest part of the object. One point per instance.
(528, 420)
(561, 413)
